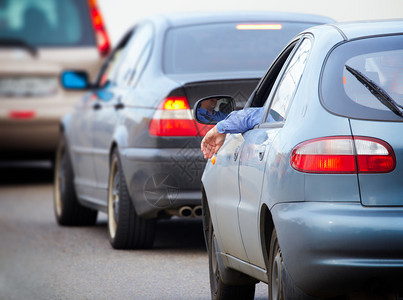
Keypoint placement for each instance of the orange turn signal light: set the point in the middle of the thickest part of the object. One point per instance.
(213, 159)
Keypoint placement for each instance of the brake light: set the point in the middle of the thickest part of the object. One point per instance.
(101, 34)
(22, 114)
(259, 27)
(174, 118)
(374, 156)
(343, 155)
(174, 103)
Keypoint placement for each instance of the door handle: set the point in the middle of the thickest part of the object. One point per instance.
(97, 106)
(262, 150)
(236, 153)
(119, 104)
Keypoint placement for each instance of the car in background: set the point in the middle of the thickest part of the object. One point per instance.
(39, 39)
(131, 148)
(310, 199)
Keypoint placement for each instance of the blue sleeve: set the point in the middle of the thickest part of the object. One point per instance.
(241, 120)
(201, 115)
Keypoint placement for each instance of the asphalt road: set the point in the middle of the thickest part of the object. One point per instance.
(40, 260)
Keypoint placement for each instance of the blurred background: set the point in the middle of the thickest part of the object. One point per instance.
(120, 14)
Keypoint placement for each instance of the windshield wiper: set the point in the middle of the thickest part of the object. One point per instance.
(10, 42)
(377, 91)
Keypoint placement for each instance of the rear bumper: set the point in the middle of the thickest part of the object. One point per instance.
(160, 179)
(39, 132)
(332, 248)
(29, 136)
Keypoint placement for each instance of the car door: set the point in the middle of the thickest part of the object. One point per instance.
(80, 143)
(104, 122)
(104, 116)
(115, 100)
(225, 199)
(83, 132)
(256, 148)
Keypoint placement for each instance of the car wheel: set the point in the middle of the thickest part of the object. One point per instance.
(280, 285)
(126, 229)
(220, 290)
(68, 210)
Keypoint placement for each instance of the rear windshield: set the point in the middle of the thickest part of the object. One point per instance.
(46, 22)
(363, 79)
(227, 47)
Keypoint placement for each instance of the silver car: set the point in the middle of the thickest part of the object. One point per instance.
(310, 200)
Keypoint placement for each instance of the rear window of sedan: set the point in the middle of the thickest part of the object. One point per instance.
(363, 79)
(227, 47)
(46, 22)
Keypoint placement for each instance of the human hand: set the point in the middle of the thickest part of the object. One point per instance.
(212, 142)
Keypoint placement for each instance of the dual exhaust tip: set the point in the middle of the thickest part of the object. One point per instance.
(191, 212)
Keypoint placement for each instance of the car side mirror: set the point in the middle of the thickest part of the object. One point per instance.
(213, 109)
(74, 80)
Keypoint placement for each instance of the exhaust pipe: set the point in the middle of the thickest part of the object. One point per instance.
(197, 211)
(185, 211)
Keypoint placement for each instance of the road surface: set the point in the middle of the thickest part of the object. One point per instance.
(41, 260)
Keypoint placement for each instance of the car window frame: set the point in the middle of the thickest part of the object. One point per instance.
(266, 84)
(120, 47)
(144, 56)
(295, 44)
(131, 62)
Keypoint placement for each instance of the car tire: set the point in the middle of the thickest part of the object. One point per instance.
(67, 209)
(281, 286)
(220, 290)
(126, 229)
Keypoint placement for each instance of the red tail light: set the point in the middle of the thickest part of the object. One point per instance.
(22, 114)
(101, 34)
(343, 155)
(174, 118)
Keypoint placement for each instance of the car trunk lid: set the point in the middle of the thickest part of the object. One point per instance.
(239, 89)
(236, 84)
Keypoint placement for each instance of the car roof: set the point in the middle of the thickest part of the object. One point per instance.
(359, 29)
(192, 18)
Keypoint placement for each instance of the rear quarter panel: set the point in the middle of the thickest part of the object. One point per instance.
(383, 189)
(307, 120)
